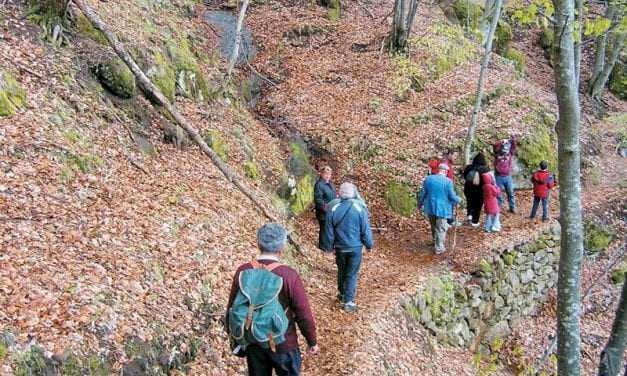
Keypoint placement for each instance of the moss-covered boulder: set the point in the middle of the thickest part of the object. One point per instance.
(401, 198)
(117, 78)
(618, 81)
(334, 10)
(540, 144)
(502, 37)
(163, 75)
(297, 187)
(304, 195)
(190, 81)
(214, 139)
(517, 58)
(12, 95)
(87, 29)
(619, 274)
(596, 237)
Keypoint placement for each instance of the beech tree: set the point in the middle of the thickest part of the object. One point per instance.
(485, 60)
(404, 14)
(571, 254)
(612, 355)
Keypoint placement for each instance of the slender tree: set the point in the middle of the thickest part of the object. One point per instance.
(569, 276)
(612, 354)
(580, 18)
(485, 60)
(238, 38)
(404, 15)
(615, 35)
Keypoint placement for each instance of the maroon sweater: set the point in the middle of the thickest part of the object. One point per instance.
(292, 296)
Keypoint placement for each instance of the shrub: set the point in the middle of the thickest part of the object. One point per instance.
(407, 76)
(12, 95)
(517, 58)
(596, 237)
(502, 37)
(618, 81)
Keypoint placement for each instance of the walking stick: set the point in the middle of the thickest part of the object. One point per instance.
(454, 229)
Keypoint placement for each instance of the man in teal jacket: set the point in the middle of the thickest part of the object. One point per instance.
(437, 199)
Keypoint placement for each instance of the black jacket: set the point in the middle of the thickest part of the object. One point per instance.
(323, 193)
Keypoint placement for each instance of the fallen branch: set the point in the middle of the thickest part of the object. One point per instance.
(148, 86)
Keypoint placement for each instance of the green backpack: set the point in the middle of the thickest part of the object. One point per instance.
(257, 316)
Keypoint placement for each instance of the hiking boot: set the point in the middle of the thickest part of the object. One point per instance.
(350, 307)
(475, 224)
(545, 219)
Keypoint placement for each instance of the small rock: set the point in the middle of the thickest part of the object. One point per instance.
(527, 276)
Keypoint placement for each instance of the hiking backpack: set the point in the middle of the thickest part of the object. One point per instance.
(257, 316)
(502, 165)
(472, 177)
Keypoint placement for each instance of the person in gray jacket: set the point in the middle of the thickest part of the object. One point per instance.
(348, 231)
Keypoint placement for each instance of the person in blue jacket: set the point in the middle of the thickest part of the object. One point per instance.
(437, 199)
(348, 231)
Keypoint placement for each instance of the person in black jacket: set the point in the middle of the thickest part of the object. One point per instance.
(473, 187)
(324, 192)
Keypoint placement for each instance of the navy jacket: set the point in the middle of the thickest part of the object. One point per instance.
(348, 226)
(323, 194)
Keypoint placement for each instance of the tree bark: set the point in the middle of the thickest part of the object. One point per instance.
(600, 52)
(612, 354)
(484, 23)
(485, 60)
(238, 38)
(402, 22)
(596, 89)
(579, 41)
(181, 121)
(569, 275)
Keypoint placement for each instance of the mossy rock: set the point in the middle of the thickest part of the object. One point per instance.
(618, 81)
(214, 139)
(12, 95)
(618, 275)
(298, 162)
(546, 38)
(334, 10)
(251, 170)
(540, 145)
(468, 12)
(86, 28)
(502, 37)
(163, 75)
(517, 57)
(596, 237)
(304, 196)
(190, 84)
(400, 198)
(117, 78)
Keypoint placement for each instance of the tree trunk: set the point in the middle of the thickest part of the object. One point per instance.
(599, 53)
(612, 355)
(580, 11)
(569, 275)
(485, 60)
(238, 38)
(596, 90)
(484, 23)
(402, 22)
(163, 101)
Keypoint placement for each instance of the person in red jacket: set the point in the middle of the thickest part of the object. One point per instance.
(491, 193)
(433, 164)
(448, 158)
(543, 182)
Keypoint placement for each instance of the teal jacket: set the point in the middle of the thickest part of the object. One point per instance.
(437, 196)
(347, 226)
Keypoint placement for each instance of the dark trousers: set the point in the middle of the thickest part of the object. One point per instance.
(474, 203)
(545, 207)
(348, 263)
(262, 361)
(322, 233)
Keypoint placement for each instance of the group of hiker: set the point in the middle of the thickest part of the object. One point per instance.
(268, 300)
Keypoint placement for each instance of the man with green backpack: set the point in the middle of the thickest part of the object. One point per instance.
(267, 300)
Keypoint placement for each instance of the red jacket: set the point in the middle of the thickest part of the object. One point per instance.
(294, 298)
(449, 173)
(542, 181)
(490, 194)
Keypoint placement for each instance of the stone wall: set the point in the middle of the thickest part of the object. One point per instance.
(474, 310)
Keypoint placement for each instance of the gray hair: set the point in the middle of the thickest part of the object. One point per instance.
(271, 237)
(348, 191)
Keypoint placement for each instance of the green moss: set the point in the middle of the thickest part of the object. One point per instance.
(117, 78)
(596, 237)
(400, 198)
(3, 351)
(72, 367)
(251, 170)
(406, 76)
(182, 56)
(546, 38)
(468, 13)
(618, 275)
(517, 57)
(214, 139)
(298, 162)
(508, 259)
(618, 81)
(540, 145)
(164, 76)
(502, 37)
(485, 267)
(31, 362)
(12, 95)
(85, 27)
(304, 195)
(334, 10)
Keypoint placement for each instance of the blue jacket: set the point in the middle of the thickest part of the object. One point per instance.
(438, 196)
(347, 225)
(323, 194)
